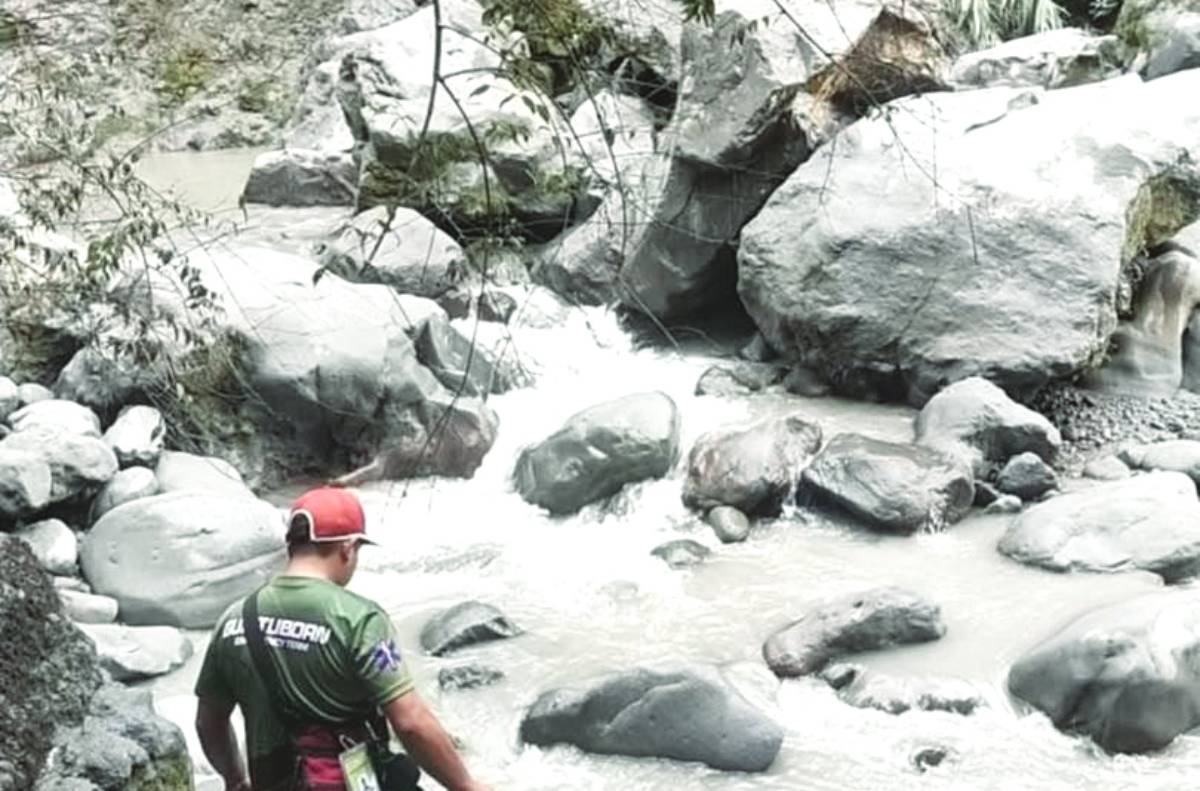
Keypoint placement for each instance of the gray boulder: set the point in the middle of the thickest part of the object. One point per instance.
(53, 544)
(1054, 59)
(598, 451)
(398, 248)
(743, 122)
(976, 420)
(103, 382)
(179, 559)
(178, 471)
(1106, 468)
(1179, 455)
(1004, 504)
(137, 436)
(1149, 522)
(49, 668)
(302, 177)
(752, 469)
(465, 624)
(866, 621)
(1027, 476)
(1174, 43)
(132, 653)
(121, 744)
(1127, 675)
(886, 290)
(682, 712)
(730, 525)
(57, 414)
(128, 484)
(737, 379)
(25, 481)
(79, 464)
(83, 607)
(682, 553)
(460, 365)
(897, 488)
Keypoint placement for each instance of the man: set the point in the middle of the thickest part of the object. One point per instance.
(332, 667)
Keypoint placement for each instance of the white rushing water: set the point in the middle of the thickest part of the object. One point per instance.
(592, 599)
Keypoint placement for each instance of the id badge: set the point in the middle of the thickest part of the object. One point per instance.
(357, 769)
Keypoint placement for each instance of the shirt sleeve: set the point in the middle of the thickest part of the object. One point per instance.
(379, 664)
(211, 682)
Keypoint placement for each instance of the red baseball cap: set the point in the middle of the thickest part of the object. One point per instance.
(332, 514)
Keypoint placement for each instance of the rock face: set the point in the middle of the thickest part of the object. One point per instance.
(867, 621)
(1054, 59)
(598, 451)
(1027, 476)
(121, 744)
(1181, 455)
(683, 712)
(1149, 522)
(967, 281)
(1147, 356)
(893, 487)
(976, 420)
(1127, 675)
(49, 667)
(751, 469)
(179, 559)
(301, 177)
(400, 249)
(466, 624)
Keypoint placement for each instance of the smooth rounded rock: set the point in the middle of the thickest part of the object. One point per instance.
(83, 607)
(867, 621)
(32, 393)
(56, 414)
(79, 464)
(131, 653)
(129, 484)
(179, 559)
(1106, 468)
(177, 471)
(466, 624)
(1027, 476)
(25, 482)
(1178, 455)
(137, 436)
(680, 711)
(1004, 504)
(729, 524)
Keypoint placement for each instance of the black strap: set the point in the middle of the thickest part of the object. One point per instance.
(262, 662)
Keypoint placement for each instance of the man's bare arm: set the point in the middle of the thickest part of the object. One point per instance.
(428, 743)
(220, 743)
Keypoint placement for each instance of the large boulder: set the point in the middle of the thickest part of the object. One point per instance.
(976, 420)
(743, 122)
(79, 464)
(867, 621)
(178, 471)
(57, 414)
(1178, 455)
(460, 364)
(49, 667)
(103, 382)
(331, 375)
(1149, 522)
(120, 745)
(598, 451)
(897, 286)
(894, 487)
(465, 624)
(178, 559)
(752, 469)
(682, 712)
(302, 177)
(398, 248)
(1127, 674)
(1054, 59)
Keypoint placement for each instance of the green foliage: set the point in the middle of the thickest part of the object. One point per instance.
(989, 22)
(184, 73)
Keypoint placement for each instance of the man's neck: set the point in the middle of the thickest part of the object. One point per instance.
(307, 567)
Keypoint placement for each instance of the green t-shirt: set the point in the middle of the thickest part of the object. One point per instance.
(335, 654)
